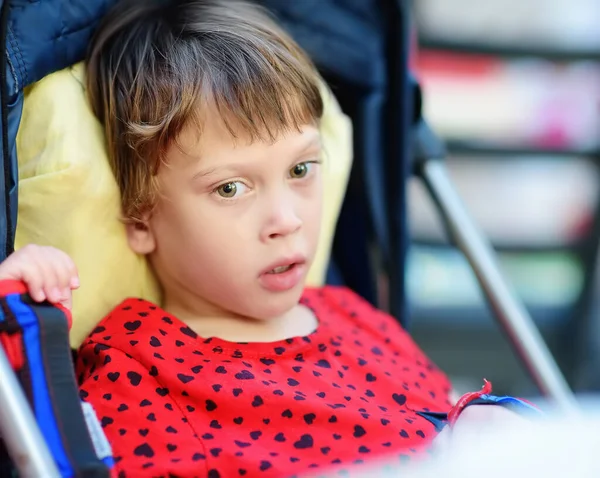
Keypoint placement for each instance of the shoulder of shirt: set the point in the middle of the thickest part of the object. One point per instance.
(345, 304)
(132, 322)
(129, 311)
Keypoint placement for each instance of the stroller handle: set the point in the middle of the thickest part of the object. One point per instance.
(26, 446)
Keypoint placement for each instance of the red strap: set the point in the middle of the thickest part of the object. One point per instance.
(12, 345)
(67, 313)
(8, 287)
(467, 398)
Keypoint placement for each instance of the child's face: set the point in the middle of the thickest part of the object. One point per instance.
(231, 211)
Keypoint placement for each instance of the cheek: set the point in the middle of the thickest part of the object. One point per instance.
(314, 202)
(200, 227)
(312, 213)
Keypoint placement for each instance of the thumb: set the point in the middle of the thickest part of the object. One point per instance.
(66, 299)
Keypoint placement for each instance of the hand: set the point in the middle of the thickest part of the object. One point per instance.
(49, 273)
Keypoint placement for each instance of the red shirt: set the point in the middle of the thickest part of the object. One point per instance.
(173, 402)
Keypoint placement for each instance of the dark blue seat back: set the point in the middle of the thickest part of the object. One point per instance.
(349, 41)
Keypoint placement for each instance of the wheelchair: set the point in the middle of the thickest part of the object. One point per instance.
(362, 50)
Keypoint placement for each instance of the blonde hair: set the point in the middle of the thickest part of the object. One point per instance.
(154, 66)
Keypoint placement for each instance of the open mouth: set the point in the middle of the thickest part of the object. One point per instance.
(281, 269)
(283, 276)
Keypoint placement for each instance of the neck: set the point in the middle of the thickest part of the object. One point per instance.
(210, 320)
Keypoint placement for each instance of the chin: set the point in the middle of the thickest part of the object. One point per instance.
(272, 305)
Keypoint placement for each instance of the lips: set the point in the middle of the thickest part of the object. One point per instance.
(284, 274)
(285, 264)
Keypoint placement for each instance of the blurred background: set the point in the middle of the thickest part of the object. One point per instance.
(513, 88)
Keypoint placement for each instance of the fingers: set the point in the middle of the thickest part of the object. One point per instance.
(66, 276)
(33, 278)
(67, 302)
(49, 273)
(60, 275)
(72, 272)
(69, 280)
(49, 267)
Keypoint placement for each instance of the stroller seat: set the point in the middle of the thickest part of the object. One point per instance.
(55, 165)
(68, 199)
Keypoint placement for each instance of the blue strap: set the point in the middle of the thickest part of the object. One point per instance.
(42, 403)
(515, 404)
(440, 420)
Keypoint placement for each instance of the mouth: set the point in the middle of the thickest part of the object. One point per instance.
(285, 265)
(281, 269)
(283, 275)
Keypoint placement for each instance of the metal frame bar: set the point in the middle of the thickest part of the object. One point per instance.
(22, 436)
(427, 162)
(510, 313)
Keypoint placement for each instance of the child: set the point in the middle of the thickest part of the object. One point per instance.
(211, 115)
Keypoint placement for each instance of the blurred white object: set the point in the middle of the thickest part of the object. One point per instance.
(559, 24)
(516, 102)
(556, 447)
(520, 201)
(561, 447)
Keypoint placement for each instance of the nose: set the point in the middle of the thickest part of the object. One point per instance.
(282, 219)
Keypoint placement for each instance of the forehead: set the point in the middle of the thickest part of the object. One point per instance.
(214, 141)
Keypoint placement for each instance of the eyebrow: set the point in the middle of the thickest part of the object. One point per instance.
(312, 142)
(204, 173)
(315, 141)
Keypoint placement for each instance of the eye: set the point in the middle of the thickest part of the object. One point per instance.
(299, 171)
(229, 190)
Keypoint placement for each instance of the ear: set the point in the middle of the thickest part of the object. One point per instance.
(140, 237)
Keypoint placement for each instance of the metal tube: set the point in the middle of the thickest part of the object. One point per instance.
(511, 314)
(18, 427)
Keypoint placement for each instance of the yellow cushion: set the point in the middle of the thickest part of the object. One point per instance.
(68, 197)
